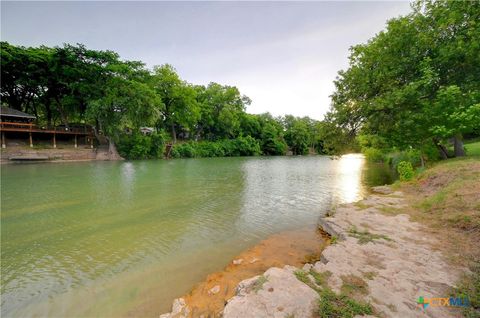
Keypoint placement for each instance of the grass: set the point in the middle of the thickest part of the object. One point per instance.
(473, 149)
(320, 278)
(331, 212)
(334, 239)
(469, 286)
(365, 236)
(303, 277)
(389, 210)
(370, 275)
(258, 285)
(361, 205)
(353, 285)
(331, 304)
(446, 198)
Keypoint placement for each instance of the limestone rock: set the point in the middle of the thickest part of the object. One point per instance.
(276, 293)
(382, 189)
(395, 260)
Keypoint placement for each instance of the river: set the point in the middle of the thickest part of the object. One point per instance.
(100, 238)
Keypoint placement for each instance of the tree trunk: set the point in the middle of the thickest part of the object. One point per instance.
(174, 133)
(49, 112)
(441, 149)
(63, 115)
(458, 146)
(112, 150)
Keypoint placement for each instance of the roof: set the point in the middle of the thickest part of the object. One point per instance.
(10, 112)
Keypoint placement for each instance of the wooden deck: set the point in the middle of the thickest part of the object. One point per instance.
(31, 128)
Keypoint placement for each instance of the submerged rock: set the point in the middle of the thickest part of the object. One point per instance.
(179, 309)
(237, 261)
(215, 290)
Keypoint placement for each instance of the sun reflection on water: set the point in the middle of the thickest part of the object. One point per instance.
(349, 181)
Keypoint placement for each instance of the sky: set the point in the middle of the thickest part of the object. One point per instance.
(283, 55)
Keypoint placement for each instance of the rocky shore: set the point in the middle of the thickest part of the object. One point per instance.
(378, 264)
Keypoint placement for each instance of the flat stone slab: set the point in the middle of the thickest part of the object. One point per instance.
(276, 293)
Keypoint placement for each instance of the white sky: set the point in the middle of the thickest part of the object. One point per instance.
(283, 55)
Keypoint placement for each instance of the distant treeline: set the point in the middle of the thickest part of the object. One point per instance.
(72, 84)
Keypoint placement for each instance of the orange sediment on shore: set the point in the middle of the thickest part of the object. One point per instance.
(294, 248)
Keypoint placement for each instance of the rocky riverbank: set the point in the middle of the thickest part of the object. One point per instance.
(378, 264)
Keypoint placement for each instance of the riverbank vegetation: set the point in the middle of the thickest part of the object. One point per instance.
(72, 85)
(411, 93)
(414, 89)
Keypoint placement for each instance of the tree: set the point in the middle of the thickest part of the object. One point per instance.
(414, 82)
(125, 104)
(221, 111)
(297, 135)
(181, 108)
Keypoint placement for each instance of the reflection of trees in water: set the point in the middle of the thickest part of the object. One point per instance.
(375, 174)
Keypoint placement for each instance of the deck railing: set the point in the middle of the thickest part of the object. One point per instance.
(30, 127)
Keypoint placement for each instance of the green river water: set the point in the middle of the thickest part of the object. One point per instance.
(97, 239)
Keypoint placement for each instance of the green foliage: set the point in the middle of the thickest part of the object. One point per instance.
(416, 82)
(74, 84)
(297, 135)
(332, 305)
(246, 146)
(469, 287)
(184, 150)
(365, 236)
(334, 239)
(138, 146)
(353, 285)
(411, 155)
(473, 149)
(181, 108)
(241, 146)
(303, 277)
(258, 284)
(272, 142)
(373, 154)
(405, 171)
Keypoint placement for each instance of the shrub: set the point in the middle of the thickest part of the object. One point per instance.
(373, 154)
(185, 150)
(411, 155)
(138, 146)
(405, 171)
(242, 146)
(247, 146)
